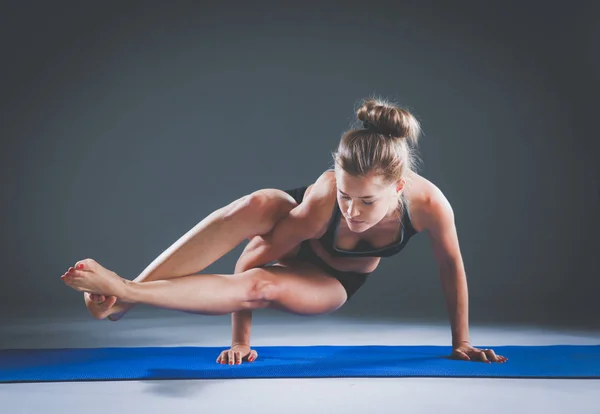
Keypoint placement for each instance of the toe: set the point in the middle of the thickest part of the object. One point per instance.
(86, 264)
(76, 274)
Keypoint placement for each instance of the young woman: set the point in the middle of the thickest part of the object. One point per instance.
(325, 240)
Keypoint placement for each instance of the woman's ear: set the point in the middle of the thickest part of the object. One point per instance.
(400, 185)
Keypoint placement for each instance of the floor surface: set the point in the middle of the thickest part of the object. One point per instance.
(339, 395)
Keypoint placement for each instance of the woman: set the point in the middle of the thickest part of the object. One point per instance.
(321, 258)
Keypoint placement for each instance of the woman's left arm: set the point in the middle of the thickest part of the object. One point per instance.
(440, 226)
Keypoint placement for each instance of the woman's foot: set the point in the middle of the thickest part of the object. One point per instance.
(89, 276)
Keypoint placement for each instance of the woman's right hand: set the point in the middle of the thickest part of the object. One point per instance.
(236, 354)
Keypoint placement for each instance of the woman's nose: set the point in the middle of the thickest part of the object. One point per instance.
(352, 209)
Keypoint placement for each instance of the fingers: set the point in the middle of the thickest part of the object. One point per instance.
(238, 357)
(109, 301)
(478, 355)
(496, 358)
(470, 353)
(235, 357)
(492, 357)
(97, 298)
(489, 356)
(458, 354)
(94, 297)
(229, 357)
(499, 358)
(483, 357)
(220, 358)
(223, 357)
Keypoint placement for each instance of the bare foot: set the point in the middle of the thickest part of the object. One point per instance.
(89, 276)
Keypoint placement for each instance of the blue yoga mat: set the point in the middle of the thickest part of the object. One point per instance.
(109, 364)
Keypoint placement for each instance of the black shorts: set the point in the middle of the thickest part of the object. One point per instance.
(351, 281)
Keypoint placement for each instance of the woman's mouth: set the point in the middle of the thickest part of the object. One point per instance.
(355, 221)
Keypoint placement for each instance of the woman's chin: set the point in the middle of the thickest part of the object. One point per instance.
(357, 227)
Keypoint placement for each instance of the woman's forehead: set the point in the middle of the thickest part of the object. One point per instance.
(356, 186)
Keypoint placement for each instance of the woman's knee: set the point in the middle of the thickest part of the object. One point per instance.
(270, 202)
(259, 286)
(265, 288)
(263, 208)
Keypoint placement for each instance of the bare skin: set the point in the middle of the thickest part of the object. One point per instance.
(299, 287)
(217, 234)
(424, 200)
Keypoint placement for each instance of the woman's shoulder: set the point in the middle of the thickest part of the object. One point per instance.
(324, 187)
(318, 203)
(427, 202)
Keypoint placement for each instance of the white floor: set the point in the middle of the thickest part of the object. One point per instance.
(343, 395)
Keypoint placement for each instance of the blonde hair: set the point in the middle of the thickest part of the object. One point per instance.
(385, 144)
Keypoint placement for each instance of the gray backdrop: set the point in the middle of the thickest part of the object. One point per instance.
(123, 125)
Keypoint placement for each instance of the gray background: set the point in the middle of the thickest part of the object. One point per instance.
(123, 125)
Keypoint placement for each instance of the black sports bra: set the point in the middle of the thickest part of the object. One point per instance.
(364, 249)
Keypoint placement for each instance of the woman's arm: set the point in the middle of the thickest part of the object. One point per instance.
(441, 228)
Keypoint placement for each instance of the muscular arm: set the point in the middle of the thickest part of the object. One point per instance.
(440, 226)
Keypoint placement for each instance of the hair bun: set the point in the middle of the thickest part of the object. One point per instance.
(389, 119)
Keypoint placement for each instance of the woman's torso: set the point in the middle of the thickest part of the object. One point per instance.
(386, 233)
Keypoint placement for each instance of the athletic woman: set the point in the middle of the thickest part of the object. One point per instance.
(311, 248)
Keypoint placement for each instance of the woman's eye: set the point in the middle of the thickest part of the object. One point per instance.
(368, 203)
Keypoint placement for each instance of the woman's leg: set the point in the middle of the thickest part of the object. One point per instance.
(213, 237)
(294, 286)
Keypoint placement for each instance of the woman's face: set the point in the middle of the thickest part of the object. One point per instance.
(365, 201)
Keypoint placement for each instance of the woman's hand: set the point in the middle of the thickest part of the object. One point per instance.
(467, 352)
(236, 354)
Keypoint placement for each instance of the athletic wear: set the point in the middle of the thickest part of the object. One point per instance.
(351, 281)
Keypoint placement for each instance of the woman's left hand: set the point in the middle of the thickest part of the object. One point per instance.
(467, 352)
